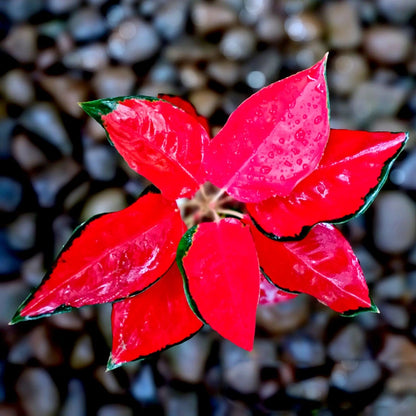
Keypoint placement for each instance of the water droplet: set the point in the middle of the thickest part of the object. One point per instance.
(304, 116)
(271, 155)
(304, 142)
(282, 178)
(299, 162)
(318, 119)
(292, 104)
(295, 151)
(318, 137)
(279, 151)
(288, 164)
(314, 106)
(297, 121)
(281, 140)
(305, 166)
(265, 169)
(300, 135)
(290, 115)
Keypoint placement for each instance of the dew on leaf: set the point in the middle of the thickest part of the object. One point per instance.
(300, 135)
(318, 119)
(299, 162)
(288, 164)
(295, 151)
(265, 169)
(271, 155)
(282, 140)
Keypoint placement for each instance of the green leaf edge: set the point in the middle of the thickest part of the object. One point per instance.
(293, 292)
(75, 234)
(183, 248)
(111, 365)
(354, 312)
(368, 200)
(103, 106)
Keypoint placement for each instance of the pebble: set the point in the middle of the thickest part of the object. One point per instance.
(7, 126)
(109, 200)
(283, 317)
(343, 24)
(133, 41)
(262, 69)
(108, 380)
(371, 268)
(187, 360)
(205, 101)
(192, 78)
(398, 11)
(191, 50)
(43, 119)
(373, 99)
(390, 405)
(387, 44)
(391, 287)
(86, 24)
(224, 71)
(303, 27)
(115, 410)
(238, 43)
(349, 344)
(143, 386)
(32, 270)
(21, 43)
(355, 376)
(270, 28)
(21, 233)
(395, 315)
(398, 353)
(170, 20)
(209, 17)
(163, 72)
(62, 6)
(348, 71)
(100, 162)
(10, 194)
(29, 156)
(37, 392)
(403, 382)
(12, 294)
(67, 93)
(304, 351)
(315, 388)
(83, 353)
(17, 87)
(181, 404)
(394, 222)
(404, 173)
(75, 402)
(114, 82)
(48, 182)
(22, 10)
(90, 57)
(243, 377)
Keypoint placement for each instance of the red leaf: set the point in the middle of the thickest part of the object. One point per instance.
(110, 257)
(221, 273)
(270, 294)
(322, 265)
(186, 106)
(354, 167)
(152, 321)
(273, 139)
(161, 142)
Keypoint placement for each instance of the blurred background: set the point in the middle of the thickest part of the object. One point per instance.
(56, 170)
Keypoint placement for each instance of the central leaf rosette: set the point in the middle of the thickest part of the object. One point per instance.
(235, 221)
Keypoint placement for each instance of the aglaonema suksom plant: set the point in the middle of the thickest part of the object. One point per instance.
(236, 221)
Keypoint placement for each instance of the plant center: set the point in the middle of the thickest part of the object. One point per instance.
(209, 204)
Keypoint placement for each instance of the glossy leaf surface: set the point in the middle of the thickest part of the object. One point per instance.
(160, 141)
(273, 139)
(186, 106)
(322, 265)
(110, 257)
(270, 294)
(221, 273)
(354, 167)
(152, 321)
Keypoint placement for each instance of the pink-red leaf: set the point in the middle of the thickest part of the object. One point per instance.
(158, 140)
(152, 321)
(186, 106)
(354, 167)
(221, 272)
(110, 257)
(270, 294)
(322, 265)
(273, 139)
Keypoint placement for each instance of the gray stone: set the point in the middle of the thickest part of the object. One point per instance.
(143, 387)
(348, 70)
(398, 353)
(170, 20)
(398, 11)
(22, 10)
(395, 315)
(243, 377)
(133, 41)
(17, 87)
(372, 270)
(114, 81)
(315, 388)
(6, 128)
(373, 99)
(224, 71)
(32, 270)
(62, 6)
(21, 233)
(117, 13)
(109, 200)
(404, 173)
(270, 28)
(21, 43)
(208, 17)
(100, 162)
(89, 58)
(190, 49)
(83, 353)
(344, 28)
(205, 101)
(391, 405)
(29, 156)
(394, 222)
(75, 402)
(304, 351)
(12, 295)
(391, 287)
(192, 78)
(163, 72)
(355, 376)
(115, 410)
(348, 344)
(387, 44)
(181, 404)
(43, 119)
(238, 43)
(87, 24)
(303, 27)
(37, 392)
(262, 69)
(10, 194)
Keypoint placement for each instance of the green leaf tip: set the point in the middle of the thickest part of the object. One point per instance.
(351, 314)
